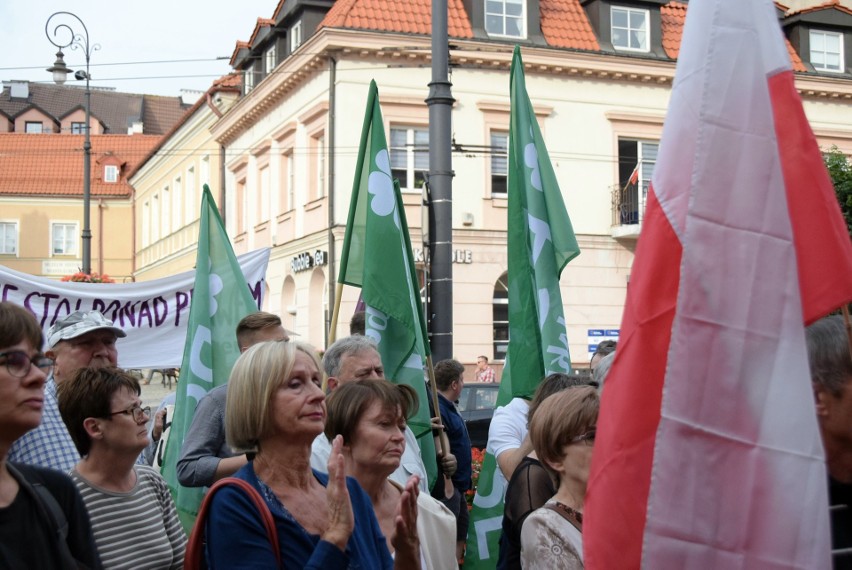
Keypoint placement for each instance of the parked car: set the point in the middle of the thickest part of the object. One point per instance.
(476, 405)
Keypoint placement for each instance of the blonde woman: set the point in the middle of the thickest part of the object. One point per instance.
(275, 408)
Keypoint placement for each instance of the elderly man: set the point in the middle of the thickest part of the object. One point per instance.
(205, 455)
(356, 358)
(83, 339)
(831, 377)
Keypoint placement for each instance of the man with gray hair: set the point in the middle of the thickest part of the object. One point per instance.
(83, 339)
(831, 376)
(355, 358)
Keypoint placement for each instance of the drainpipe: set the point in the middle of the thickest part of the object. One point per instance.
(222, 210)
(332, 277)
(101, 208)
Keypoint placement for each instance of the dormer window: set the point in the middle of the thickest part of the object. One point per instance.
(630, 29)
(110, 173)
(270, 59)
(826, 51)
(505, 18)
(248, 78)
(295, 36)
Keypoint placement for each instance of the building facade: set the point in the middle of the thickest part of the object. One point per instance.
(599, 74)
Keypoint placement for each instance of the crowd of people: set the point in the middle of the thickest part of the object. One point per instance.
(319, 447)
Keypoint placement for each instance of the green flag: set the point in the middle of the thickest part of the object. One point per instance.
(541, 242)
(220, 299)
(389, 286)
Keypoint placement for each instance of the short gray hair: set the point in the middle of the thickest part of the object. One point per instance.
(601, 371)
(343, 347)
(828, 354)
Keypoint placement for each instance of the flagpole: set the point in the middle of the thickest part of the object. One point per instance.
(845, 310)
(332, 333)
(433, 390)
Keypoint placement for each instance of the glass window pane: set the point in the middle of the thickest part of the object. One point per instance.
(493, 7)
(817, 41)
(494, 24)
(421, 137)
(818, 59)
(832, 42)
(514, 27)
(398, 158)
(619, 18)
(400, 175)
(638, 40)
(619, 38)
(513, 9)
(832, 61)
(637, 20)
(421, 160)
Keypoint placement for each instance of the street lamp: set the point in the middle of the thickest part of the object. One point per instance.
(60, 72)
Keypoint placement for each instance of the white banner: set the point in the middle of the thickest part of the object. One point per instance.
(154, 314)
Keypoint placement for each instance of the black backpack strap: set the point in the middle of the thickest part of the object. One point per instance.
(50, 510)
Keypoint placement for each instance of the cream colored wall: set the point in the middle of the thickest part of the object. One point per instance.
(111, 241)
(175, 249)
(581, 118)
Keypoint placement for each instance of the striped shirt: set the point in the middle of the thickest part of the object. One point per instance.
(137, 529)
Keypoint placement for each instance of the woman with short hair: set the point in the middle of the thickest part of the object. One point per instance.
(562, 432)
(370, 415)
(133, 515)
(33, 500)
(275, 409)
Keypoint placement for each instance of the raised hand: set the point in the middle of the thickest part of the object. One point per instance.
(341, 521)
(405, 539)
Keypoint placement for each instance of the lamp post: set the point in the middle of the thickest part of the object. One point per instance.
(60, 72)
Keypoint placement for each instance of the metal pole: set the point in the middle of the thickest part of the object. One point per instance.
(87, 179)
(440, 102)
(78, 41)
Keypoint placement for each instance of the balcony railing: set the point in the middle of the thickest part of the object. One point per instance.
(628, 210)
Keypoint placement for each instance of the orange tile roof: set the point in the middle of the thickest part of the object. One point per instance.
(261, 23)
(564, 24)
(829, 4)
(52, 165)
(404, 16)
(672, 16)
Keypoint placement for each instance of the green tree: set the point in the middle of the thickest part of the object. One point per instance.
(840, 170)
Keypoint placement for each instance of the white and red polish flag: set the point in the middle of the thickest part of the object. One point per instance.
(708, 453)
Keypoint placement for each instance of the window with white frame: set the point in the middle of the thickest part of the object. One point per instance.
(110, 173)
(166, 212)
(9, 238)
(189, 194)
(270, 59)
(505, 18)
(500, 317)
(146, 224)
(78, 128)
(409, 150)
(155, 218)
(248, 78)
(177, 196)
(64, 237)
(630, 29)
(636, 161)
(827, 51)
(291, 182)
(320, 148)
(295, 36)
(35, 127)
(499, 163)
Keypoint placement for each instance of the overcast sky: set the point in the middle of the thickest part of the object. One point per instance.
(133, 36)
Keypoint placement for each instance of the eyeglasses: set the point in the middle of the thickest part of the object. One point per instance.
(18, 363)
(139, 413)
(588, 436)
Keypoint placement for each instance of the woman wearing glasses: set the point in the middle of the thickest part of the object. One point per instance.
(33, 500)
(562, 432)
(133, 516)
